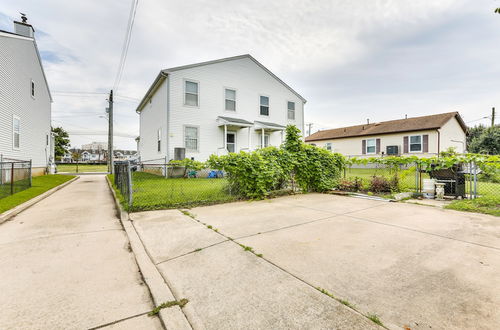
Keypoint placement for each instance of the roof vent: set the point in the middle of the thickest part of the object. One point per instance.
(23, 28)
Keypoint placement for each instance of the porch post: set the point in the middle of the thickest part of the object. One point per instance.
(225, 138)
(262, 138)
(249, 139)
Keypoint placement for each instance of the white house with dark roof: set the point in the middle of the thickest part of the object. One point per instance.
(228, 105)
(423, 136)
(25, 100)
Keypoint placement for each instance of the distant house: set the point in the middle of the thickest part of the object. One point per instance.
(25, 100)
(418, 136)
(227, 105)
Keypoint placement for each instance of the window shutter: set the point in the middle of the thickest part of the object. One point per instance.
(378, 146)
(363, 145)
(405, 144)
(425, 143)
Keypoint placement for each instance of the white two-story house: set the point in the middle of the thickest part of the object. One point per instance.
(25, 100)
(228, 105)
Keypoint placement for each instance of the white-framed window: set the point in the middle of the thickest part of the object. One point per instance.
(191, 138)
(291, 110)
(371, 146)
(158, 140)
(191, 93)
(415, 142)
(328, 146)
(32, 88)
(267, 138)
(16, 132)
(230, 99)
(264, 105)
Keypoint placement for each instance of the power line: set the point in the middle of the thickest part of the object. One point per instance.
(126, 43)
(78, 92)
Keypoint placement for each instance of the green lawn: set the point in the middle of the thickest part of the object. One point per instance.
(156, 192)
(486, 204)
(40, 185)
(72, 168)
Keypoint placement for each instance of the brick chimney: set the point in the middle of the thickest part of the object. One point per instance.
(23, 28)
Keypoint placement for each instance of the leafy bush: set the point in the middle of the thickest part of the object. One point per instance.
(256, 174)
(490, 173)
(379, 184)
(351, 184)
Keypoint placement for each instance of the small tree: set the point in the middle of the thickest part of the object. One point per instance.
(61, 142)
(488, 142)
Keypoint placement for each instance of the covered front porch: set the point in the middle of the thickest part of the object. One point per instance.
(231, 127)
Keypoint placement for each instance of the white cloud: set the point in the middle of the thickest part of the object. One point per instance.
(352, 60)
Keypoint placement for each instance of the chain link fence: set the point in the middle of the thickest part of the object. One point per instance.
(15, 176)
(461, 180)
(155, 185)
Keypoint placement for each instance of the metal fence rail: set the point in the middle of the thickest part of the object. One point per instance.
(15, 176)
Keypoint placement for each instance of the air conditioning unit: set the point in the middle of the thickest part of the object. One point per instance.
(392, 150)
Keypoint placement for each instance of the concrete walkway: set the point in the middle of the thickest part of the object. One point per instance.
(65, 264)
(416, 267)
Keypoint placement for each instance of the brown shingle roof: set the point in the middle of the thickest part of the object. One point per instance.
(387, 127)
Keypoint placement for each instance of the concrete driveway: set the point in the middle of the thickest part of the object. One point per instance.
(65, 264)
(414, 266)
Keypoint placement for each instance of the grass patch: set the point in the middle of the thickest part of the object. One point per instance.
(40, 184)
(181, 303)
(487, 205)
(154, 192)
(72, 168)
(374, 318)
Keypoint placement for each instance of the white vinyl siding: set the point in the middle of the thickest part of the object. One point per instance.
(191, 93)
(415, 142)
(291, 110)
(264, 105)
(230, 99)
(371, 146)
(191, 138)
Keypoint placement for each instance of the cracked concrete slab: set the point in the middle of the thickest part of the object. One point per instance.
(253, 217)
(408, 278)
(65, 263)
(229, 288)
(169, 233)
(143, 322)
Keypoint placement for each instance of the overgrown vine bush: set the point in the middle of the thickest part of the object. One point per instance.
(257, 174)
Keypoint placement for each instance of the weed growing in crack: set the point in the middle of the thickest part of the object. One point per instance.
(189, 214)
(260, 255)
(345, 302)
(198, 250)
(374, 318)
(181, 303)
(209, 227)
(323, 291)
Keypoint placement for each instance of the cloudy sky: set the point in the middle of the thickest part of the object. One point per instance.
(352, 60)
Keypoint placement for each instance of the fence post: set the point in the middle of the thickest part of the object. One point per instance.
(129, 188)
(12, 178)
(30, 172)
(475, 179)
(165, 167)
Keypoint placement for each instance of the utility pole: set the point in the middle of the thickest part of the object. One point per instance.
(493, 117)
(110, 133)
(310, 128)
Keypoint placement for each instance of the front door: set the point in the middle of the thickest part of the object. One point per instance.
(231, 141)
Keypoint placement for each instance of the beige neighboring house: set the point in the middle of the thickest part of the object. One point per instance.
(424, 136)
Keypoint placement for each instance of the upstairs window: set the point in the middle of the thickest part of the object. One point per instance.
(371, 145)
(416, 143)
(16, 132)
(291, 110)
(32, 87)
(264, 105)
(230, 95)
(191, 93)
(191, 138)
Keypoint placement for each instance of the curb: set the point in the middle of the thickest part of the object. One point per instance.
(173, 317)
(18, 209)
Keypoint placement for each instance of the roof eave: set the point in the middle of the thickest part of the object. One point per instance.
(375, 134)
(156, 83)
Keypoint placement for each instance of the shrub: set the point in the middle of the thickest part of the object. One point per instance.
(351, 184)
(256, 174)
(380, 184)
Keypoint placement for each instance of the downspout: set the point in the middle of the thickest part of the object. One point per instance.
(168, 117)
(439, 141)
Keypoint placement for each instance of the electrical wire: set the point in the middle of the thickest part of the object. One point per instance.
(126, 44)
